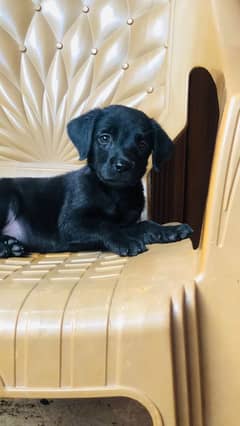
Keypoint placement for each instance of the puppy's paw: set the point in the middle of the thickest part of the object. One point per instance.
(10, 247)
(176, 232)
(184, 231)
(155, 233)
(125, 246)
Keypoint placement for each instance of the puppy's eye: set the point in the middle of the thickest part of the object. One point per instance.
(142, 144)
(104, 139)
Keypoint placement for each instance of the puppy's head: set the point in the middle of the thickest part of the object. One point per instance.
(117, 142)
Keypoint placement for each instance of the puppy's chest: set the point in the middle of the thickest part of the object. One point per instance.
(123, 208)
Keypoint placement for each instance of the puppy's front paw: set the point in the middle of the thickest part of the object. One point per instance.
(184, 231)
(125, 246)
(10, 247)
(176, 232)
(155, 233)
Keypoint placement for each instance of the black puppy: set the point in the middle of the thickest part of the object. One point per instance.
(98, 206)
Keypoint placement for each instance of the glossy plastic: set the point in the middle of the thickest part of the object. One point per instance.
(163, 327)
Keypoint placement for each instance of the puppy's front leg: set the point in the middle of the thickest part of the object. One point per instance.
(114, 239)
(151, 232)
(90, 234)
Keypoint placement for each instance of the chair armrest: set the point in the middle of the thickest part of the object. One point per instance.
(223, 208)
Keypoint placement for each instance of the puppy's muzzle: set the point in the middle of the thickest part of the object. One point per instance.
(121, 165)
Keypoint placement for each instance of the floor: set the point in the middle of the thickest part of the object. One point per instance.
(87, 412)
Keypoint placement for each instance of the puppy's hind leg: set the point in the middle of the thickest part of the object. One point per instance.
(10, 247)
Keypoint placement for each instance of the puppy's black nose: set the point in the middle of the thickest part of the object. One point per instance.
(122, 165)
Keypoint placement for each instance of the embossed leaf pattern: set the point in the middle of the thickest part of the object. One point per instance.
(60, 58)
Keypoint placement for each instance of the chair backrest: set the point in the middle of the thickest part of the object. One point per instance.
(59, 58)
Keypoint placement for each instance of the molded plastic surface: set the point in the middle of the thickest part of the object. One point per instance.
(94, 324)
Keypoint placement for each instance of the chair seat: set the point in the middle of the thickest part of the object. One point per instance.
(87, 320)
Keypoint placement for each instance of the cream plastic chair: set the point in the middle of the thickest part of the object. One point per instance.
(162, 328)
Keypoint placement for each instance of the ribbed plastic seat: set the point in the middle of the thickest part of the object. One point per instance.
(88, 321)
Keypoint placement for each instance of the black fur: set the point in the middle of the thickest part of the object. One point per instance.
(98, 206)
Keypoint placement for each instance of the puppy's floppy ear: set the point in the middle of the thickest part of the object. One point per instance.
(80, 131)
(162, 146)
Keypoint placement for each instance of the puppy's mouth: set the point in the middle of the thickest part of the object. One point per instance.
(119, 180)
